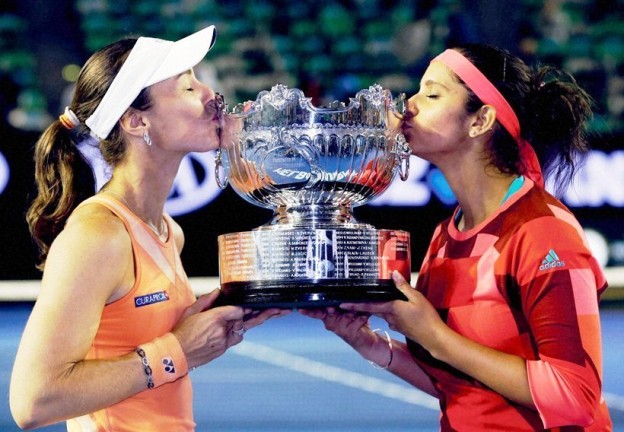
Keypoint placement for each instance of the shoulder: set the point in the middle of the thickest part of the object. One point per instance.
(550, 242)
(539, 219)
(533, 202)
(94, 224)
(94, 250)
(542, 216)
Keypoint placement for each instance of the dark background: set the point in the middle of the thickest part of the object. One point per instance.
(328, 48)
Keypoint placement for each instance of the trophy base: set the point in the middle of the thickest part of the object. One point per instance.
(306, 294)
(292, 266)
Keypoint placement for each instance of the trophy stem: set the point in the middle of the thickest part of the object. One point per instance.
(314, 215)
(311, 166)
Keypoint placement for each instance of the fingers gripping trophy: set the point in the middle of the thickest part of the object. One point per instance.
(310, 166)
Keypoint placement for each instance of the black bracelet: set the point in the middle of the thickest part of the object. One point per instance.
(146, 368)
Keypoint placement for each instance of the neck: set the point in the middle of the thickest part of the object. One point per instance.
(147, 206)
(480, 198)
(142, 180)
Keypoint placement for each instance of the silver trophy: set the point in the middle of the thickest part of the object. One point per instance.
(311, 166)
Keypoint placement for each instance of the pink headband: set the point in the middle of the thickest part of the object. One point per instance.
(485, 90)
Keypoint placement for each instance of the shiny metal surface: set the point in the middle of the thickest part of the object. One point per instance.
(280, 151)
(311, 166)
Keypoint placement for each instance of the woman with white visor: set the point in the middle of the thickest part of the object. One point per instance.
(116, 327)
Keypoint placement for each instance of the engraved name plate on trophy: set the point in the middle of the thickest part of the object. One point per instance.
(310, 166)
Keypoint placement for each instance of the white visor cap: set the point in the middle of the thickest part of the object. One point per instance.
(150, 61)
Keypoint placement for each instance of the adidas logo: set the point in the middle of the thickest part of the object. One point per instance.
(551, 261)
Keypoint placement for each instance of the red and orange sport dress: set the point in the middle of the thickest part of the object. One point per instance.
(525, 283)
(151, 309)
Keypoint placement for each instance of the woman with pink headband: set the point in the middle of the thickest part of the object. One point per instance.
(503, 324)
(116, 327)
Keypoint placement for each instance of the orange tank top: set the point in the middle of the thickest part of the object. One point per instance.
(151, 308)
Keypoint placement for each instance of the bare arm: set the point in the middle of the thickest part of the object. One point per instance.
(404, 366)
(89, 265)
(419, 321)
(355, 330)
(86, 266)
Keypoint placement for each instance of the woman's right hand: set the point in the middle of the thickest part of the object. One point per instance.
(206, 333)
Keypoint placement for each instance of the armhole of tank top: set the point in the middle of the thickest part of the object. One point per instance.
(172, 236)
(118, 211)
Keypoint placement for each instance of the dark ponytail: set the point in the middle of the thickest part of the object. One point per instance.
(560, 111)
(64, 178)
(553, 111)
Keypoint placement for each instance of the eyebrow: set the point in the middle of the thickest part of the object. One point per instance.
(186, 72)
(430, 83)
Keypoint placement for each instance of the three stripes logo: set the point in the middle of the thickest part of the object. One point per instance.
(551, 261)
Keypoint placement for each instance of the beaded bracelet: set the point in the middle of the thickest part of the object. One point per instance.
(389, 340)
(146, 368)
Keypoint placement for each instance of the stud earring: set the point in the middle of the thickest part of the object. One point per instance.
(147, 138)
(472, 133)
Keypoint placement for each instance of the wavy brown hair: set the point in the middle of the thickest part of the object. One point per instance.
(63, 176)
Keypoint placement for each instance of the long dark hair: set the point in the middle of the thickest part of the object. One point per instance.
(553, 111)
(63, 176)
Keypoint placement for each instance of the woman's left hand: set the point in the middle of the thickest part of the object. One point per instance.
(415, 317)
(354, 329)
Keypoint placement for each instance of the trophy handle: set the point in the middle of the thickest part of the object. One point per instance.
(404, 152)
(218, 168)
(399, 105)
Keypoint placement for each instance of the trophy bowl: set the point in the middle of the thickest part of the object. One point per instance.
(310, 166)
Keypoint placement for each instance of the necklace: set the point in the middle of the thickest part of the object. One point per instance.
(161, 233)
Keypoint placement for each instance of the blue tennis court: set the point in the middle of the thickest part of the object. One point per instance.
(292, 375)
